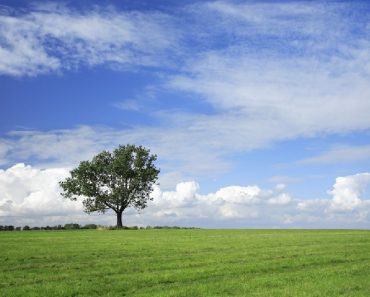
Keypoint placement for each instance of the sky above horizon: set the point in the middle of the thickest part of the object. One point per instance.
(258, 110)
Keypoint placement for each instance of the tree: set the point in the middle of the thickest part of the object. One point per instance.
(117, 180)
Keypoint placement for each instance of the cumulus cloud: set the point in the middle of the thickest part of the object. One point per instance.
(251, 206)
(349, 203)
(347, 192)
(281, 199)
(227, 203)
(32, 196)
(313, 205)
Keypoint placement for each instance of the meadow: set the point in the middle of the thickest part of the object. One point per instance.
(185, 263)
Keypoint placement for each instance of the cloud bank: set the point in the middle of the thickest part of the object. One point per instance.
(32, 196)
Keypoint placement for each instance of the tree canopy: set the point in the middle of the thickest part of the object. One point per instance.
(113, 180)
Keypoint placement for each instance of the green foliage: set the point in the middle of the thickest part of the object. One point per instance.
(117, 180)
(71, 226)
(7, 228)
(185, 263)
(90, 226)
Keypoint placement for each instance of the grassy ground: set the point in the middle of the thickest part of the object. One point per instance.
(185, 263)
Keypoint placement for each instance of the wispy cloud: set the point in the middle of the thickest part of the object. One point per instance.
(339, 154)
(48, 38)
(183, 152)
(284, 179)
(307, 76)
(289, 28)
(131, 105)
(316, 82)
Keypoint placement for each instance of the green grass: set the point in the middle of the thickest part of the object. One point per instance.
(185, 263)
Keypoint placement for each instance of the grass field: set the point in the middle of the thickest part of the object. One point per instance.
(185, 263)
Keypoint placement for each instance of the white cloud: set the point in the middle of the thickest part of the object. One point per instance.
(311, 77)
(30, 193)
(347, 192)
(227, 203)
(348, 204)
(54, 37)
(32, 196)
(274, 18)
(283, 179)
(340, 154)
(280, 187)
(313, 205)
(132, 105)
(183, 153)
(4, 150)
(237, 194)
(258, 92)
(183, 196)
(308, 77)
(66, 145)
(281, 199)
(276, 100)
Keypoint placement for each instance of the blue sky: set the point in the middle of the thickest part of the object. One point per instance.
(271, 94)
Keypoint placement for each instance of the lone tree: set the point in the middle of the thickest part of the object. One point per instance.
(114, 180)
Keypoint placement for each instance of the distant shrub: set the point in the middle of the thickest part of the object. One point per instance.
(102, 227)
(90, 226)
(129, 227)
(161, 227)
(6, 228)
(169, 227)
(71, 226)
(74, 226)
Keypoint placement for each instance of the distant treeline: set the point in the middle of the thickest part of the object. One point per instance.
(73, 226)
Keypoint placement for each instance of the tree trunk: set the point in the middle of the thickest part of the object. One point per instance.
(119, 220)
